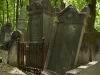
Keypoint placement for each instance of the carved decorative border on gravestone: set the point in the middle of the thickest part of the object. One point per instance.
(66, 41)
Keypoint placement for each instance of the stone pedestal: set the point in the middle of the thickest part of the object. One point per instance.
(40, 21)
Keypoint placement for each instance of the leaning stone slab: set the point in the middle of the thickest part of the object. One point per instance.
(92, 68)
(66, 41)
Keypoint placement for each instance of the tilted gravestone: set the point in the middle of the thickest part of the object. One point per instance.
(40, 20)
(66, 41)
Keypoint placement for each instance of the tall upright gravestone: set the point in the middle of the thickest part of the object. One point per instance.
(22, 24)
(40, 20)
(66, 41)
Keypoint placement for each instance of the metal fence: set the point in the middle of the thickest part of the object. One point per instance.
(31, 56)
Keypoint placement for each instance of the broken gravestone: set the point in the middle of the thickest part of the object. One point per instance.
(66, 41)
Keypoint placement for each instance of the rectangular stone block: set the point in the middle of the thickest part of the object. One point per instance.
(92, 68)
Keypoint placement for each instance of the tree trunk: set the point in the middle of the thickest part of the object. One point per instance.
(91, 19)
(17, 6)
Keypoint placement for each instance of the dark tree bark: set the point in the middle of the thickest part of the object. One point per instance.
(91, 19)
(62, 4)
(7, 11)
(21, 3)
(17, 6)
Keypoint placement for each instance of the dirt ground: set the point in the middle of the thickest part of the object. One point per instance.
(6, 69)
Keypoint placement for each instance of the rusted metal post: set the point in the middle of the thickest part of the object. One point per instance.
(43, 53)
(18, 64)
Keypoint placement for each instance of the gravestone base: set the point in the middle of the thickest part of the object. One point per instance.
(92, 68)
(12, 55)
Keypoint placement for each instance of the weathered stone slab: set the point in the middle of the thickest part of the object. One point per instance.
(90, 48)
(85, 53)
(92, 68)
(95, 46)
(66, 41)
(6, 32)
(40, 20)
(21, 20)
(12, 53)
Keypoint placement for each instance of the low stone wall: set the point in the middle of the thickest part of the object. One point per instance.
(92, 68)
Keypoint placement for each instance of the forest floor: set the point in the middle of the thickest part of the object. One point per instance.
(6, 69)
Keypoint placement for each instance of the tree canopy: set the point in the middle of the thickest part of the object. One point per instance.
(10, 10)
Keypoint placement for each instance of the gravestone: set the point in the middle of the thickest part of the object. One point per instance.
(40, 20)
(21, 20)
(6, 32)
(22, 24)
(95, 46)
(90, 48)
(66, 41)
(85, 51)
(12, 53)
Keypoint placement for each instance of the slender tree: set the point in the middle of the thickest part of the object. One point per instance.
(17, 6)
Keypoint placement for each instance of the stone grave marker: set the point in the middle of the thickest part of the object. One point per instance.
(40, 20)
(90, 48)
(85, 51)
(12, 53)
(22, 24)
(6, 32)
(21, 20)
(66, 41)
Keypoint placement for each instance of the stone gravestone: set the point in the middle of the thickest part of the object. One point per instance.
(21, 20)
(12, 53)
(6, 32)
(90, 48)
(22, 24)
(85, 51)
(66, 41)
(40, 20)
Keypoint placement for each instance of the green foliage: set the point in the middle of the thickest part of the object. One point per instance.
(97, 21)
(79, 4)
